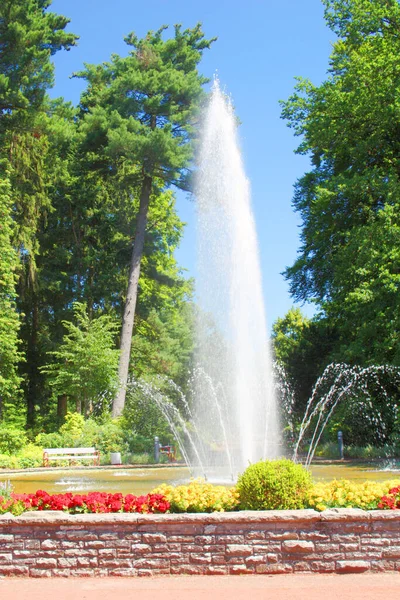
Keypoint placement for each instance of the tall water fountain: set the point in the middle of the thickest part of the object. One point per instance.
(230, 417)
(234, 407)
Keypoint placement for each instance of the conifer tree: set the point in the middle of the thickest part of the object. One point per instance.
(9, 321)
(142, 108)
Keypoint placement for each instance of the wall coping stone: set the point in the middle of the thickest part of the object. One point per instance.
(306, 516)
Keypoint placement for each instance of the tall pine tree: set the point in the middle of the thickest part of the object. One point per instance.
(143, 108)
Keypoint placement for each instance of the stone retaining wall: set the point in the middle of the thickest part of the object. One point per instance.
(46, 544)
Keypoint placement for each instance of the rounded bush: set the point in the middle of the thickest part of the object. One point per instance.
(273, 485)
(11, 440)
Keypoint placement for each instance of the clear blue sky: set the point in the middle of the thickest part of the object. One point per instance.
(262, 45)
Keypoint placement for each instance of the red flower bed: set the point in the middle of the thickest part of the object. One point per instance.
(93, 502)
(391, 500)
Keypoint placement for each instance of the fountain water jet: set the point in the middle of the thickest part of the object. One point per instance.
(233, 346)
(340, 382)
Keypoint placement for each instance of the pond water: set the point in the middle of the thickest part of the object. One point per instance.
(141, 480)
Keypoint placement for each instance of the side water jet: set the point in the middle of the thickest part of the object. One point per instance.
(358, 386)
(232, 340)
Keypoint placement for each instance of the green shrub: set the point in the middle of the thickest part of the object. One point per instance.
(76, 432)
(29, 457)
(328, 450)
(274, 484)
(8, 462)
(73, 426)
(11, 440)
(106, 437)
(50, 440)
(138, 444)
(138, 459)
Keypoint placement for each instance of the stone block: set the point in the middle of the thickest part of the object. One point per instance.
(154, 538)
(274, 569)
(212, 570)
(66, 563)
(240, 570)
(238, 550)
(301, 567)
(339, 537)
(298, 546)
(272, 558)
(320, 566)
(256, 560)
(95, 544)
(46, 563)
(40, 573)
(148, 563)
(141, 549)
(214, 548)
(324, 548)
(230, 539)
(107, 552)
(218, 559)
(62, 573)
(187, 548)
(204, 539)
(349, 547)
(83, 573)
(283, 535)
(187, 570)
(122, 572)
(50, 544)
(391, 552)
(181, 539)
(352, 566)
(200, 559)
(255, 535)
(14, 571)
(31, 544)
(314, 536)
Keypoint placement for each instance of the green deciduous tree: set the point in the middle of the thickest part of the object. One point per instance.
(85, 365)
(304, 347)
(348, 261)
(142, 109)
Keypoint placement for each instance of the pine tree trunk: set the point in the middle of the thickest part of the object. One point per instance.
(62, 408)
(131, 297)
(32, 362)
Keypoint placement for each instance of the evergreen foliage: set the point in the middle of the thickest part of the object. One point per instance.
(139, 114)
(29, 36)
(9, 320)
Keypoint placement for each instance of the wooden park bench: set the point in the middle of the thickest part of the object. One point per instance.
(71, 454)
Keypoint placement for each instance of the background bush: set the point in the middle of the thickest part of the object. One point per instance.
(11, 440)
(274, 484)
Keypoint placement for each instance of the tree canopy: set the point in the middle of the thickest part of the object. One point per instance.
(74, 179)
(138, 117)
(348, 262)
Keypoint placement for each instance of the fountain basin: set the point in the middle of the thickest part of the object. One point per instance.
(141, 480)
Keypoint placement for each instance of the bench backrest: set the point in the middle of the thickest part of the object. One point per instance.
(70, 450)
